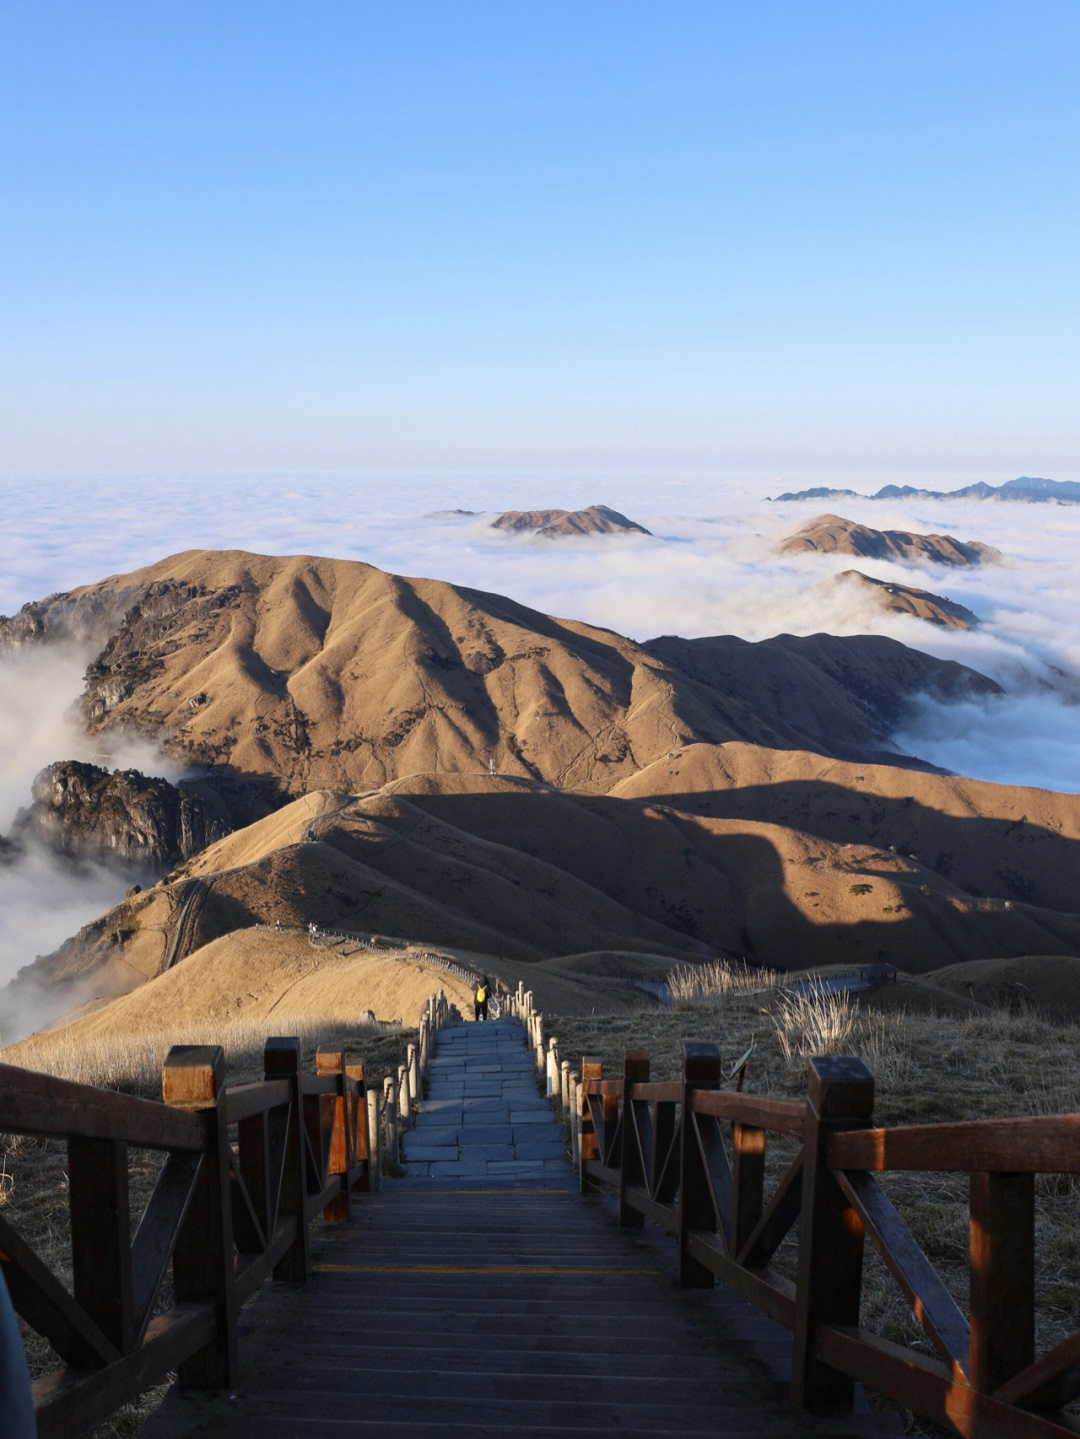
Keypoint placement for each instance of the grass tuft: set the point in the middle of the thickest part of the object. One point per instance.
(694, 985)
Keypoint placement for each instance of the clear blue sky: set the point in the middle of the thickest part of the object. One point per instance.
(759, 239)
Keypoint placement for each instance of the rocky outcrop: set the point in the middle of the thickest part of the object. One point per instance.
(82, 617)
(84, 812)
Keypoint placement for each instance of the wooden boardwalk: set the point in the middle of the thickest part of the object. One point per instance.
(483, 1295)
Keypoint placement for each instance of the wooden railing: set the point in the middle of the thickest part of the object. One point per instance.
(690, 1156)
(246, 1170)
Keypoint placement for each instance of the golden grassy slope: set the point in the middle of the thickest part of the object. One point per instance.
(329, 674)
(790, 859)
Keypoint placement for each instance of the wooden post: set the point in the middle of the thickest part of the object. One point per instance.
(631, 1168)
(747, 1182)
(101, 1236)
(390, 1104)
(575, 1120)
(404, 1099)
(1002, 1257)
(193, 1077)
(339, 1161)
(664, 1183)
(552, 1086)
(357, 1118)
(701, 1070)
(374, 1148)
(840, 1096)
(414, 1076)
(588, 1147)
(564, 1086)
(281, 1060)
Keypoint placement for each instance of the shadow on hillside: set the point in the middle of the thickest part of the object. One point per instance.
(986, 857)
(554, 872)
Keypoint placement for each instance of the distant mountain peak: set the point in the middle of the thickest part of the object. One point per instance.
(832, 534)
(553, 524)
(1031, 488)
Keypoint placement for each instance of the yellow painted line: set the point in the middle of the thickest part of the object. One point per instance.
(472, 1269)
(501, 1189)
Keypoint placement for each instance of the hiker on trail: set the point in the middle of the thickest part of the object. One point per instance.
(480, 998)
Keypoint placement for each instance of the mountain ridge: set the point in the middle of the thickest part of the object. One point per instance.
(299, 673)
(1032, 489)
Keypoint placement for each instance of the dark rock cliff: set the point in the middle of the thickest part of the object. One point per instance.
(85, 812)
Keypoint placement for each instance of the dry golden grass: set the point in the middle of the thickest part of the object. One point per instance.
(133, 1063)
(692, 986)
(927, 1067)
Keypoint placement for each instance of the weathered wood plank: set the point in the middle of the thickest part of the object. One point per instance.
(931, 1303)
(101, 1235)
(780, 1214)
(779, 1116)
(152, 1247)
(701, 1068)
(925, 1385)
(840, 1093)
(40, 1104)
(247, 1100)
(1002, 1249)
(747, 1181)
(1049, 1382)
(40, 1298)
(1012, 1146)
(71, 1401)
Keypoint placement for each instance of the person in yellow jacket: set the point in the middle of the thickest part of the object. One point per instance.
(480, 997)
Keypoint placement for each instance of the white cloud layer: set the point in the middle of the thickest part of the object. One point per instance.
(42, 899)
(710, 568)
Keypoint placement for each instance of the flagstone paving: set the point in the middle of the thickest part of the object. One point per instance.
(482, 1116)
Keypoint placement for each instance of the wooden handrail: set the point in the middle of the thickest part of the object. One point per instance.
(689, 1156)
(53, 1108)
(1040, 1145)
(246, 1169)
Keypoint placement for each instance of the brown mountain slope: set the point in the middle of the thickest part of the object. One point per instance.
(818, 688)
(831, 534)
(995, 841)
(553, 524)
(789, 859)
(906, 600)
(319, 673)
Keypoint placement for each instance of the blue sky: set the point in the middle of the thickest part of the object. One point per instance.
(768, 241)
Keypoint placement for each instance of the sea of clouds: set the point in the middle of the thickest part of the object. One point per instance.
(43, 899)
(710, 567)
